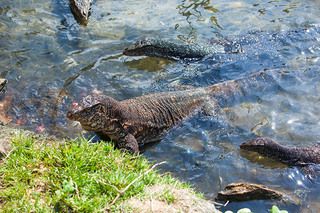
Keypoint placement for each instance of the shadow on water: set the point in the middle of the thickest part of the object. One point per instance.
(264, 161)
(148, 64)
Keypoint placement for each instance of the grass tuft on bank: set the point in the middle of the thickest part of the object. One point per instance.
(40, 176)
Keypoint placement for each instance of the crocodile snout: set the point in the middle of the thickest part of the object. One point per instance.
(130, 51)
(246, 145)
(139, 47)
(251, 144)
(260, 143)
(72, 113)
(126, 51)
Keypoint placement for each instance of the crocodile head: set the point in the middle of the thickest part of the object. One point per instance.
(141, 47)
(262, 145)
(3, 83)
(97, 114)
(81, 10)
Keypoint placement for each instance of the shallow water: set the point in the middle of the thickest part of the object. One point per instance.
(51, 61)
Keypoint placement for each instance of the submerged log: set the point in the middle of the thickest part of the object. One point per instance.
(249, 191)
(81, 10)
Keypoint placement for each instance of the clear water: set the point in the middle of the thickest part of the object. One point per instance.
(51, 61)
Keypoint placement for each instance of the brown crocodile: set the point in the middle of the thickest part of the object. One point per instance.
(244, 47)
(81, 10)
(171, 50)
(293, 156)
(144, 119)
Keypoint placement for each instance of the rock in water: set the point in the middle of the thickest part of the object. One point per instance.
(248, 191)
(81, 10)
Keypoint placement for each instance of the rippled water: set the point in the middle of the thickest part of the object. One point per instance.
(50, 61)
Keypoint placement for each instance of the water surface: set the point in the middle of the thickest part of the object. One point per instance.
(51, 61)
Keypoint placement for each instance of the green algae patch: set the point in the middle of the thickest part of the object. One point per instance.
(41, 176)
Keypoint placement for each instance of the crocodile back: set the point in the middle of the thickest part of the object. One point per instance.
(164, 110)
(309, 154)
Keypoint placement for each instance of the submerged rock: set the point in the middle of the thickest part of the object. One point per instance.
(249, 191)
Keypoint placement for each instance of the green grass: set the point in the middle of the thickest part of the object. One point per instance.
(75, 176)
(40, 175)
(168, 197)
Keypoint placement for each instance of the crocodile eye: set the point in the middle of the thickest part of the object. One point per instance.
(259, 141)
(140, 43)
(83, 13)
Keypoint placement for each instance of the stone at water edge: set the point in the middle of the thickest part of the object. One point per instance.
(249, 191)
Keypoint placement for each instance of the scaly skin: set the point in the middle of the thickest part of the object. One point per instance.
(252, 45)
(294, 156)
(137, 120)
(3, 83)
(81, 10)
(171, 50)
(145, 119)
